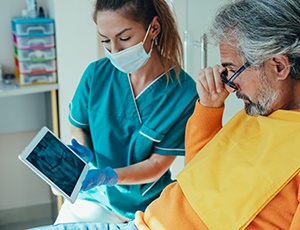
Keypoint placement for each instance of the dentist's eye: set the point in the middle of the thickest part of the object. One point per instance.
(125, 39)
(105, 41)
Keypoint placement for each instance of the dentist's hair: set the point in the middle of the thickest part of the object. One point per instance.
(143, 11)
(261, 29)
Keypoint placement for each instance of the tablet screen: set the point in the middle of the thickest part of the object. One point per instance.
(55, 163)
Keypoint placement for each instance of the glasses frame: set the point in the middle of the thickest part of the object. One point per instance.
(229, 81)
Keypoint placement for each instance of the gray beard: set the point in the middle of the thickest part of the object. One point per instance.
(262, 108)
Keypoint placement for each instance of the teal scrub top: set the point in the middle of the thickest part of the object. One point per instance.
(125, 129)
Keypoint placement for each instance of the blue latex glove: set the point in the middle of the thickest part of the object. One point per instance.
(84, 152)
(96, 177)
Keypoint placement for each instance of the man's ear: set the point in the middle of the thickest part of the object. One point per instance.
(155, 27)
(281, 66)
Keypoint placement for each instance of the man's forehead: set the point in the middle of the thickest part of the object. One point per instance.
(229, 54)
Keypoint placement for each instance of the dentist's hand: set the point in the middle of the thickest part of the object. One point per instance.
(211, 89)
(96, 177)
(84, 152)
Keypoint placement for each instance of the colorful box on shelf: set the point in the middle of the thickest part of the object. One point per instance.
(34, 54)
(29, 42)
(32, 26)
(34, 50)
(35, 67)
(36, 79)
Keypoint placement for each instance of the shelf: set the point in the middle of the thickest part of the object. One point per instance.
(23, 90)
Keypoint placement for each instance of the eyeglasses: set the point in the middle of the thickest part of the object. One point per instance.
(230, 82)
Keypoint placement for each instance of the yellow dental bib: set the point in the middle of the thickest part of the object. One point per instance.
(242, 168)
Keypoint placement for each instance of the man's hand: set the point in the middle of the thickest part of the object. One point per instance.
(211, 89)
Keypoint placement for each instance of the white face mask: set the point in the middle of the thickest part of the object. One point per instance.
(132, 58)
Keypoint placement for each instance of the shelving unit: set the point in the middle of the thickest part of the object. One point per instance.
(28, 90)
(23, 90)
(34, 50)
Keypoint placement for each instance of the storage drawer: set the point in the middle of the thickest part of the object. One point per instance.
(32, 26)
(35, 67)
(35, 54)
(34, 79)
(30, 42)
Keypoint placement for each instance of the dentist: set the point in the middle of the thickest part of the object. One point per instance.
(130, 109)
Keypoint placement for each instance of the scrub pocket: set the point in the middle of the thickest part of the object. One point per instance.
(144, 142)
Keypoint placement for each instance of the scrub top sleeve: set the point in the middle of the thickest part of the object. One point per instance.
(173, 142)
(78, 108)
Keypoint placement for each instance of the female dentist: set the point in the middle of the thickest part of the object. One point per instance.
(130, 109)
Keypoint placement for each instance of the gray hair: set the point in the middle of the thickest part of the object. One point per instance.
(261, 29)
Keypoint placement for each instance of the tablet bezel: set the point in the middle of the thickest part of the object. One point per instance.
(30, 148)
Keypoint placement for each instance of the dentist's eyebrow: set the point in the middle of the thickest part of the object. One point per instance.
(118, 34)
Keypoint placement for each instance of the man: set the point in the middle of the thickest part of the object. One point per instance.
(244, 175)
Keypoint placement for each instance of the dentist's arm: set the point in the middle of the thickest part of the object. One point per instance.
(146, 171)
(81, 135)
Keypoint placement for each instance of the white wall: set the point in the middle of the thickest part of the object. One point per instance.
(76, 39)
(194, 17)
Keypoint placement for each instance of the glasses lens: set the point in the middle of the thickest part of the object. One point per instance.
(229, 81)
(224, 76)
(232, 85)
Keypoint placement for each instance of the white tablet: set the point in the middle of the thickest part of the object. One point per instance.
(55, 163)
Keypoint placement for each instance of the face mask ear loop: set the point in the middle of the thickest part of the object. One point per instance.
(155, 41)
(147, 33)
(152, 44)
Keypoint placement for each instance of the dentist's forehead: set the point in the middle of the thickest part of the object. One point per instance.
(110, 23)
